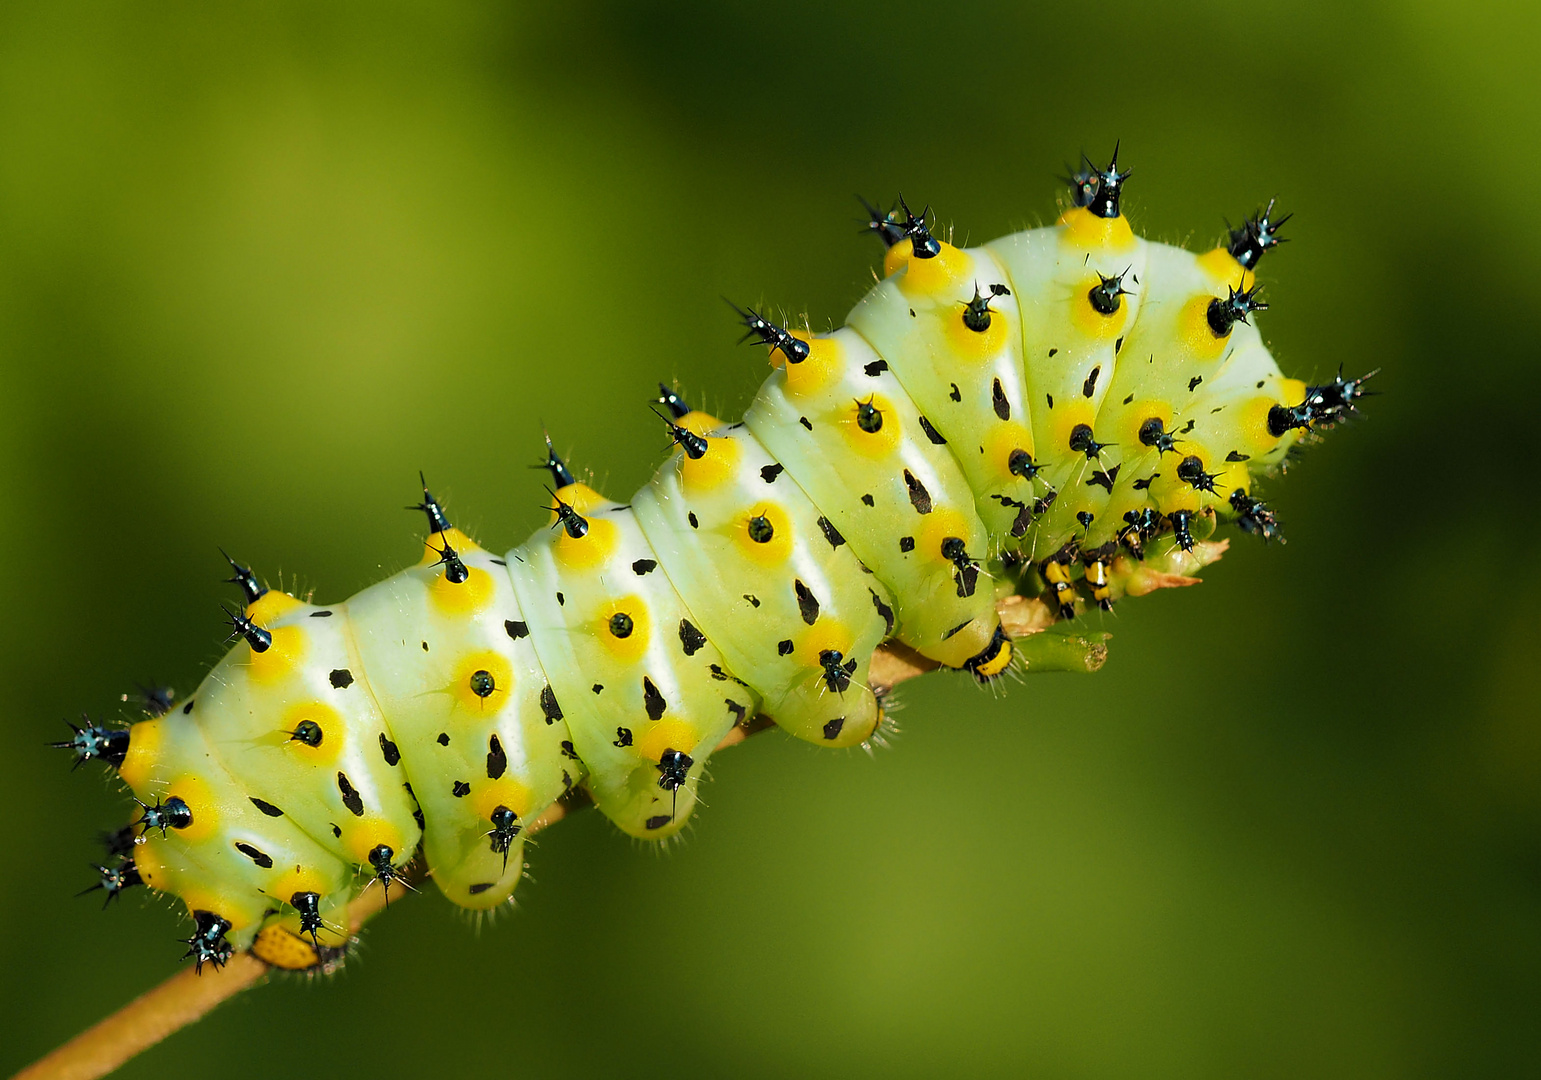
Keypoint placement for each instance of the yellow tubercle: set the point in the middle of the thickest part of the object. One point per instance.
(1193, 330)
(270, 605)
(1092, 322)
(279, 658)
(200, 800)
(1135, 417)
(699, 422)
(1291, 392)
(666, 733)
(1006, 438)
(764, 534)
(482, 682)
(592, 549)
(148, 862)
(629, 646)
(583, 498)
(297, 880)
(1083, 229)
(713, 468)
(1251, 419)
(824, 364)
(941, 523)
(977, 345)
(1223, 269)
(827, 633)
(1066, 417)
(873, 444)
(457, 540)
(948, 269)
(239, 912)
(144, 752)
(1233, 477)
(360, 836)
(462, 597)
(487, 795)
(297, 738)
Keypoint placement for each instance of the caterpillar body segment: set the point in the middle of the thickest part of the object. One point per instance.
(640, 686)
(453, 665)
(897, 496)
(783, 596)
(1066, 413)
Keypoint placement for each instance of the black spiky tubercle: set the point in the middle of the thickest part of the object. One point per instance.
(887, 227)
(252, 590)
(1324, 406)
(259, 639)
(455, 571)
(1222, 315)
(567, 516)
(678, 407)
(95, 743)
(438, 521)
(112, 880)
(758, 327)
(208, 944)
(561, 475)
(1105, 203)
(1253, 516)
(1252, 239)
(171, 814)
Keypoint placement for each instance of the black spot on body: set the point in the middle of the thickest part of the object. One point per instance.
(187, 709)
(906, 543)
(1090, 386)
(479, 888)
(266, 807)
(341, 679)
(652, 700)
(834, 727)
(691, 639)
(327, 614)
(694, 521)
(548, 704)
(389, 751)
(561, 600)
(876, 368)
(658, 821)
(622, 737)
(644, 566)
(443, 739)
(807, 603)
(1194, 382)
(831, 533)
(920, 498)
(955, 394)
(803, 420)
(884, 611)
(261, 858)
(754, 601)
(350, 796)
(497, 760)
(931, 433)
(768, 473)
(516, 630)
(460, 789)
(998, 401)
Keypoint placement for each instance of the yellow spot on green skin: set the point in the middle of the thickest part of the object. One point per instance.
(462, 597)
(943, 272)
(581, 497)
(1133, 418)
(239, 914)
(668, 733)
(333, 732)
(1085, 230)
(360, 836)
(713, 468)
(1194, 333)
(628, 649)
(873, 444)
(827, 633)
(1066, 417)
(148, 862)
(1092, 322)
(938, 526)
(435, 544)
(488, 795)
(144, 752)
(298, 879)
(496, 666)
(700, 422)
(1252, 434)
(200, 800)
(823, 366)
(270, 605)
(592, 549)
(974, 346)
(998, 664)
(1004, 438)
(280, 658)
(1223, 269)
(772, 552)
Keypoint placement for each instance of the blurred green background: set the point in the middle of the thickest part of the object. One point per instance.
(259, 263)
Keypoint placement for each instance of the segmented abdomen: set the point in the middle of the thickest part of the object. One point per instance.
(989, 418)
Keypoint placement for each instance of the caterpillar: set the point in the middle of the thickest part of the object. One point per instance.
(1066, 414)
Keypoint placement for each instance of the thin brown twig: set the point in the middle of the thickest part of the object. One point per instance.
(188, 996)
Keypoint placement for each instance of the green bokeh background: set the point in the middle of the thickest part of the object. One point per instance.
(259, 263)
